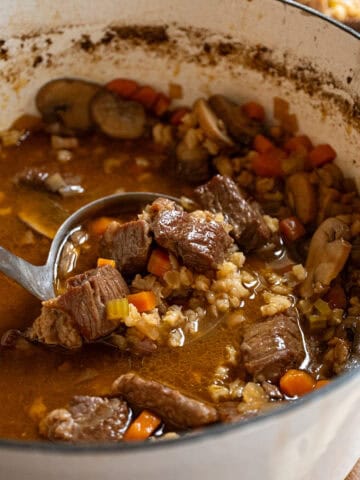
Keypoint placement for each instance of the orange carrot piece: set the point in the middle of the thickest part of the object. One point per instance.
(123, 87)
(336, 297)
(177, 115)
(299, 143)
(142, 427)
(143, 301)
(295, 383)
(321, 383)
(291, 228)
(268, 164)
(262, 144)
(159, 262)
(146, 95)
(254, 111)
(99, 225)
(161, 105)
(321, 154)
(101, 262)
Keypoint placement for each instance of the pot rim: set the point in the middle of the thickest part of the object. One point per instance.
(212, 430)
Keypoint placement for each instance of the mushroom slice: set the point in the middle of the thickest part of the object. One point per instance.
(213, 127)
(67, 101)
(240, 127)
(192, 163)
(116, 117)
(302, 197)
(328, 253)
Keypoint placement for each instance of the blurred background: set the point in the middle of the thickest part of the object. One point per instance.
(346, 11)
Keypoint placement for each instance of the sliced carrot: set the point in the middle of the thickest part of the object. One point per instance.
(143, 301)
(336, 297)
(295, 383)
(177, 115)
(299, 143)
(146, 95)
(262, 144)
(254, 110)
(99, 225)
(159, 262)
(268, 164)
(142, 427)
(321, 383)
(291, 228)
(161, 105)
(322, 154)
(123, 87)
(101, 262)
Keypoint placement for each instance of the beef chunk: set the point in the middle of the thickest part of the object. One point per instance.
(87, 419)
(79, 314)
(171, 405)
(221, 194)
(271, 347)
(128, 244)
(200, 244)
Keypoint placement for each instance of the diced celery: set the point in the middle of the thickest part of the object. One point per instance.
(322, 307)
(117, 309)
(317, 322)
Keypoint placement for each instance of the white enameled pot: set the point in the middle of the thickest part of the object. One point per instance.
(247, 49)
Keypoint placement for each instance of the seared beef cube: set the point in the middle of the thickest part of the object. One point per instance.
(200, 244)
(80, 313)
(87, 419)
(221, 194)
(271, 347)
(172, 406)
(128, 244)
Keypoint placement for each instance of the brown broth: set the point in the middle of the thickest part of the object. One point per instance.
(53, 376)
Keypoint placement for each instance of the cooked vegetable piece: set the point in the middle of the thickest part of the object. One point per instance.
(336, 297)
(268, 164)
(291, 228)
(192, 163)
(142, 427)
(116, 117)
(328, 253)
(143, 301)
(105, 261)
(161, 105)
(99, 225)
(117, 309)
(317, 322)
(321, 155)
(296, 383)
(262, 144)
(146, 95)
(123, 87)
(322, 383)
(159, 262)
(210, 123)
(68, 101)
(302, 196)
(254, 110)
(178, 114)
(300, 143)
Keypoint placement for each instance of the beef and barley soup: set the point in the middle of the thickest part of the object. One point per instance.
(237, 298)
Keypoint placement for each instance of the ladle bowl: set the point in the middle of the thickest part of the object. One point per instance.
(40, 280)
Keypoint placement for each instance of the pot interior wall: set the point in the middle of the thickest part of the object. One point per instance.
(248, 52)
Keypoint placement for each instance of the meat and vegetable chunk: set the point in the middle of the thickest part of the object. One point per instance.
(222, 194)
(174, 407)
(128, 244)
(200, 244)
(271, 347)
(87, 419)
(80, 313)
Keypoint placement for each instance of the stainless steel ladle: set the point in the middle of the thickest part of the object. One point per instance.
(40, 280)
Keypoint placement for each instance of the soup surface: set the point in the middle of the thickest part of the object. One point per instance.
(213, 360)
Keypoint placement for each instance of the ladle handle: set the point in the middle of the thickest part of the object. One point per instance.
(36, 280)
